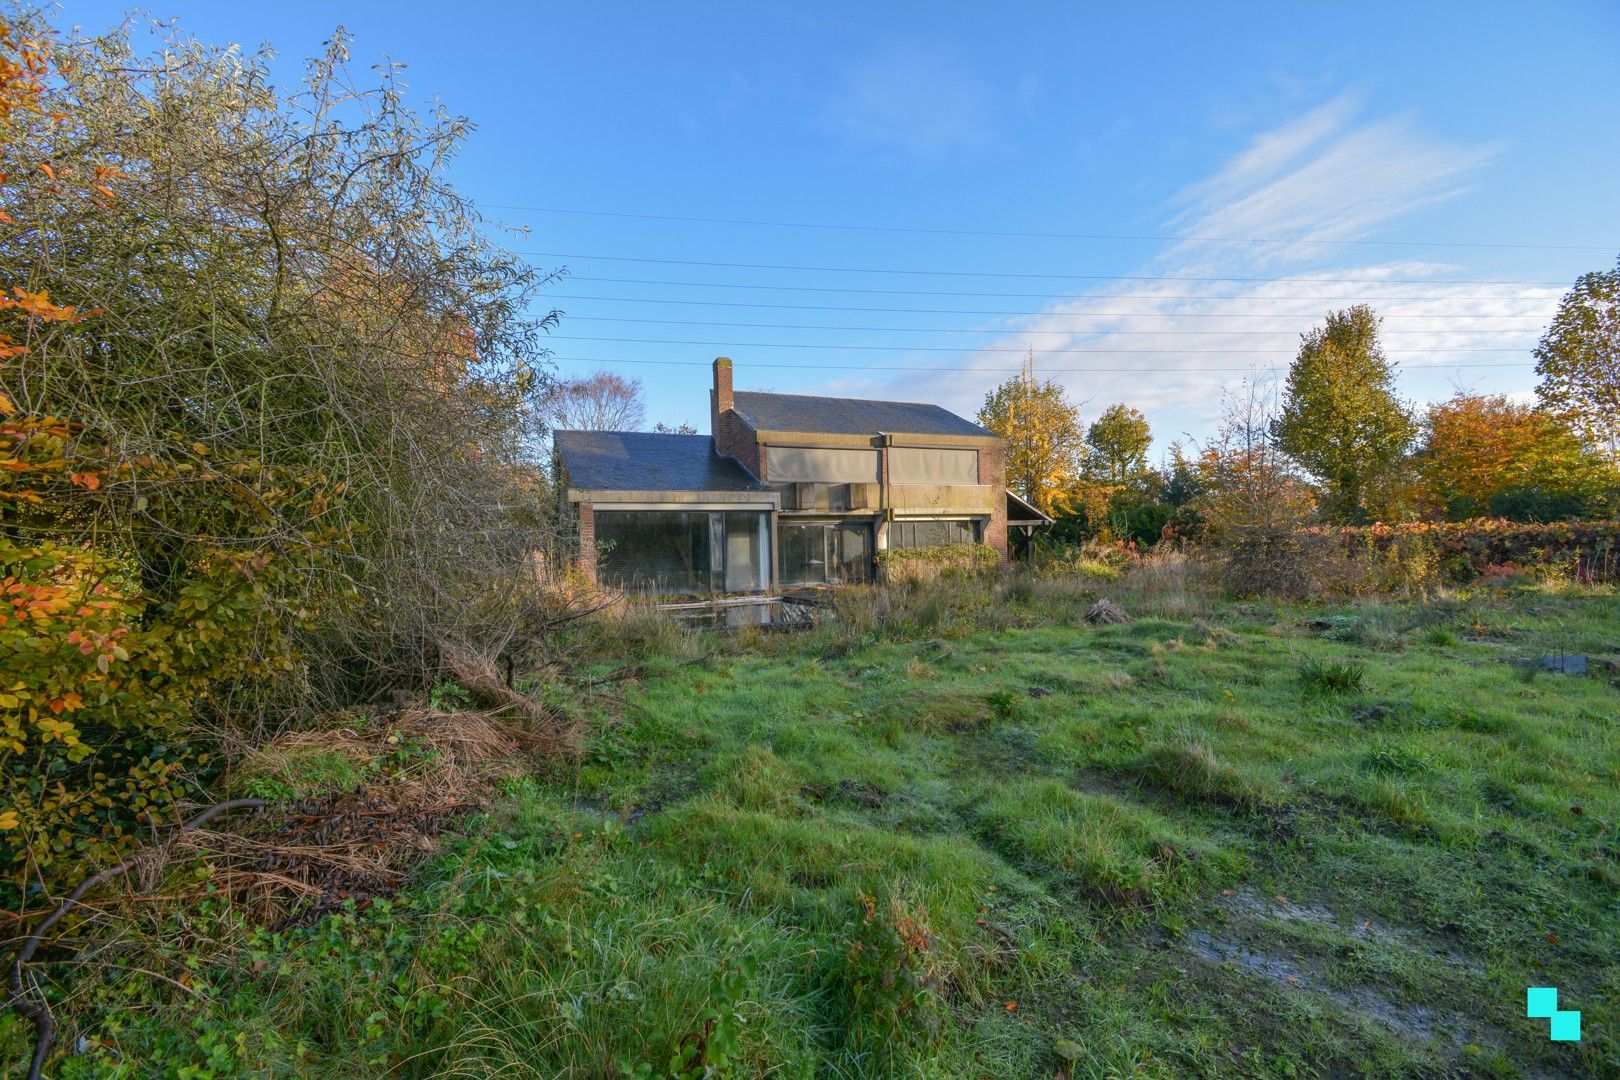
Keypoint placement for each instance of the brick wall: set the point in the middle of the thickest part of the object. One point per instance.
(585, 558)
(732, 436)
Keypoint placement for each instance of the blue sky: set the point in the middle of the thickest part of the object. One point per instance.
(1370, 148)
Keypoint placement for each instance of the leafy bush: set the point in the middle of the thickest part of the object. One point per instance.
(266, 396)
(100, 685)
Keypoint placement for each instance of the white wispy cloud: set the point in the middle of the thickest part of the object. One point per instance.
(1327, 175)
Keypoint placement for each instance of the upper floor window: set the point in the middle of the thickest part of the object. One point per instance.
(932, 465)
(913, 534)
(820, 465)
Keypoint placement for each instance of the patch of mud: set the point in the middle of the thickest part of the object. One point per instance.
(1253, 939)
(1409, 1021)
(1252, 906)
(1377, 712)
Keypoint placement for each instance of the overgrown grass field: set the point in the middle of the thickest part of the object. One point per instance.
(963, 833)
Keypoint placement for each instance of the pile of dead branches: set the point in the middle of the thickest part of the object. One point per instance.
(312, 856)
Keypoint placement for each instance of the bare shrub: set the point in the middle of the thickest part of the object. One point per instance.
(923, 565)
(1171, 584)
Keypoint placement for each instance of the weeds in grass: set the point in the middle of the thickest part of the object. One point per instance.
(449, 694)
(1329, 677)
(1386, 759)
(1440, 635)
(1005, 705)
(890, 981)
(1189, 770)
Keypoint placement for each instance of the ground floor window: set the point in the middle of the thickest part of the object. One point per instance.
(915, 534)
(826, 552)
(684, 551)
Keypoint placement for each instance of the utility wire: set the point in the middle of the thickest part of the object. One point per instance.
(1012, 314)
(1031, 296)
(936, 231)
(1009, 274)
(1003, 331)
(954, 348)
(994, 370)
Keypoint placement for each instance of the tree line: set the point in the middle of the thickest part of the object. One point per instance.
(1335, 443)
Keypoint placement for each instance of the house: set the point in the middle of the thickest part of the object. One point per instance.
(788, 490)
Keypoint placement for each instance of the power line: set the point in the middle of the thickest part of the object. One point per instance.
(1027, 296)
(937, 231)
(1010, 274)
(993, 371)
(1010, 314)
(954, 348)
(1003, 331)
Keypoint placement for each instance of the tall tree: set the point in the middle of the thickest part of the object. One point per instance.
(1045, 443)
(1119, 441)
(600, 402)
(1578, 359)
(1478, 447)
(1340, 417)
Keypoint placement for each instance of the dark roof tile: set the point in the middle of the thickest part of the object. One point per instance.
(848, 416)
(648, 461)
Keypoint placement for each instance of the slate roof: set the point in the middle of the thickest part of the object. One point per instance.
(848, 416)
(648, 461)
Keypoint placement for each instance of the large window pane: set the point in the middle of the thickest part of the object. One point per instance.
(748, 551)
(826, 552)
(804, 554)
(654, 550)
(671, 551)
(854, 547)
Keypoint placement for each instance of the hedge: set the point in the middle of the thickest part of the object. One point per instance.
(1588, 550)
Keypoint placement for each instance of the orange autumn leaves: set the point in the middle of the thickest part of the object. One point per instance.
(1477, 446)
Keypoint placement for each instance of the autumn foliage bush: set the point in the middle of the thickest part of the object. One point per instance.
(99, 693)
(1588, 551)
(267, 398)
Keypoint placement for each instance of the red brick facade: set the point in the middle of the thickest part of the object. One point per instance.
(732, 435)
(585, 560)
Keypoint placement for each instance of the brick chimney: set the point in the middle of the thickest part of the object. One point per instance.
(720, 400)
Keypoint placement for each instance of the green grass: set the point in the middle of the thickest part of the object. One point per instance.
(983, 839)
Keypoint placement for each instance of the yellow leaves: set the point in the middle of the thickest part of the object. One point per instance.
(9, 820)
(59, 730)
